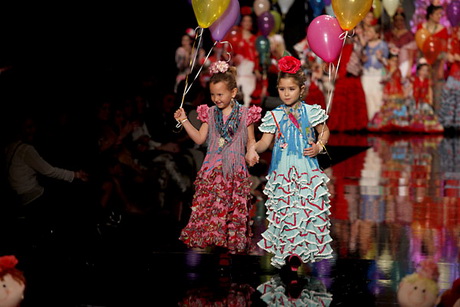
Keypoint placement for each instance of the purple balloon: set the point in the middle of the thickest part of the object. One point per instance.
(453, 13)
(323, 35)
(327, 2)
(222, 25)
(266, 22)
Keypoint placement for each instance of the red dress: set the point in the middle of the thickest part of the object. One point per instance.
(348, 111)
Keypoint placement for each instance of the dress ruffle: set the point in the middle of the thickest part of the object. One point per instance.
(298, 215)
(220, 213)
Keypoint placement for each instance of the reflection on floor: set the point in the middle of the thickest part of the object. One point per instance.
(395, 203)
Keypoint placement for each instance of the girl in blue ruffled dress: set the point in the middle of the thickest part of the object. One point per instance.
(298, 198)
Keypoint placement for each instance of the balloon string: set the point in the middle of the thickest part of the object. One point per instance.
(332, 79)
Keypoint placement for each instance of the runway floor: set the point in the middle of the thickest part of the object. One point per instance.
(395, 203)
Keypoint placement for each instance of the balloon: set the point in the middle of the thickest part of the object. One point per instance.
(327, 2)
(263, 48)
(285, 5)
(261, 6)
(350, 12)
(420, 37)
(323, 35)
(221, 26)
(432, 47)
(234, 35)
(317, 7)
(390, 6)
(266, 23)
(329, 10)
(208, 11)
(377, 8)
(453, 13)
(277, 19)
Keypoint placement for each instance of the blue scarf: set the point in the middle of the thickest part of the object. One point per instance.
(228, 129)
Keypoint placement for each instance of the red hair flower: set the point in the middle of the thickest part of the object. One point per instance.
(289, 64)
(7, 263)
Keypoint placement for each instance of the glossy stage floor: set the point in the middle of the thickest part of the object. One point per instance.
(395, 202)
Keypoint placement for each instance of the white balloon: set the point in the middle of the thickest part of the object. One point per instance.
(285, 5)
(390, 6)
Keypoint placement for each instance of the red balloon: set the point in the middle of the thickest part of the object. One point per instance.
(432, 47)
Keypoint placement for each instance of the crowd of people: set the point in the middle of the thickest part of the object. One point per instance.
(389, 77)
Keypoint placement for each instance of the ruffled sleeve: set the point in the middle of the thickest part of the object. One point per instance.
(316, 114)
(268, 125)
(203, 113)
(254, 114)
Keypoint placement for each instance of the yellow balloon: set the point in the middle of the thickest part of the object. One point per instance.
(350, 12)
(277, 18)
(208, 11)
(377, 8)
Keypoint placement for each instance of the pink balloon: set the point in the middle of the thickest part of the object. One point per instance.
(222, 25)
(323, 35)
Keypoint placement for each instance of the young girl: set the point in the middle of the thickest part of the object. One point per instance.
(423, 117)
(298, 198)
(375, 53)
(394, 113)
(220, 213)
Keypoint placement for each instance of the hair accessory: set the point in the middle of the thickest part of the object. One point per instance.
(7, 263)
(289, 64)
(246, 10)
(422, 61)
(190, 32)
(394, 50)
(218, 67)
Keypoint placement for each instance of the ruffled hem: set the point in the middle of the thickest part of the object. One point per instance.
(298, 216)
(220, 212)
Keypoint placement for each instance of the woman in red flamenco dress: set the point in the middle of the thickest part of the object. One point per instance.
(348, 111)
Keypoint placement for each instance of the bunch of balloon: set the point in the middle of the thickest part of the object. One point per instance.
(221, 15)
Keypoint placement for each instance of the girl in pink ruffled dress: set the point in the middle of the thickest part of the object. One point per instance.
(220, 207)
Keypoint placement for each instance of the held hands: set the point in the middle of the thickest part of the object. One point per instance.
(81, 175)
(252, 157)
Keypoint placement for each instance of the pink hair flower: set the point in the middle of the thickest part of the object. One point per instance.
(219, 67)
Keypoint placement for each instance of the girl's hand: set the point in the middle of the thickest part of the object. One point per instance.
(313, 150)
(180, 114)
(252, 157)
